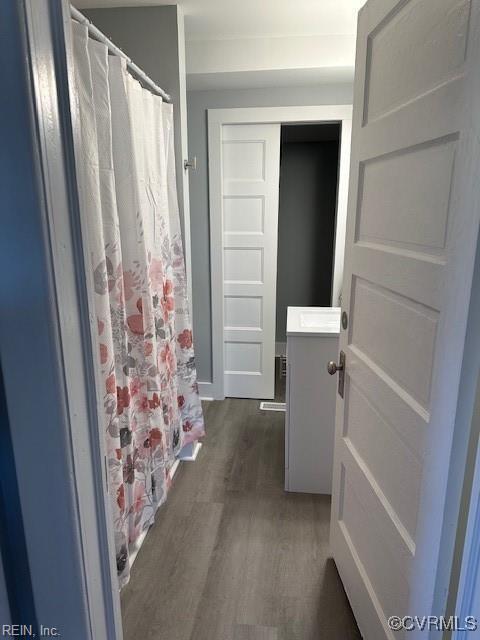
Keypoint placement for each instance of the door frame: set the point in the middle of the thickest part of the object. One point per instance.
(464, 591)
(217, 118)
(458, 582)
(48, 361)
(4, 602)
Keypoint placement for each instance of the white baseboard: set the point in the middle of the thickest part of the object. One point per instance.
(189, 452)
(206, 391)
(134, 547)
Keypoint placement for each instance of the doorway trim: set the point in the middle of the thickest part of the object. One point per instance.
(217, 118)
(55, 443)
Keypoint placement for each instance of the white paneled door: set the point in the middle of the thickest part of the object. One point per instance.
(412, 228)
(250, 180)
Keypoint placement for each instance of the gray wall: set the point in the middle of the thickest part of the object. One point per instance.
(308, 190)
(152, 38)
(197, 104)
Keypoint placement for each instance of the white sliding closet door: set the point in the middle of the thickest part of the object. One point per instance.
(250, 170)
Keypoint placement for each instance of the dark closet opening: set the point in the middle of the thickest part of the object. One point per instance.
(306, 217)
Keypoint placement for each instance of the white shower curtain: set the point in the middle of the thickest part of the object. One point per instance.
(147, 379)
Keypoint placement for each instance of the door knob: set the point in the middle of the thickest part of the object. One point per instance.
(333, 367)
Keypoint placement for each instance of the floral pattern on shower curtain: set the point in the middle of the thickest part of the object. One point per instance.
(147, 384)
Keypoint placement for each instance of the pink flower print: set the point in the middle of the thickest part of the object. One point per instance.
(135, 321)
(180, 401)
(135, 386)
(155, 438)
(123, 399)
(103, 353)
(110, 383)
(154, 402)
(142, 404)
(135, 324)
(185, 339)
(168, 357)
(121, 497)
(101, 326)
(168, 301)
(167, 288)
(148, 348)
(187, 426)
(156, 274)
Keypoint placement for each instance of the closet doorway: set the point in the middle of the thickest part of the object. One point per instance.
(245, 179)
(306, 221)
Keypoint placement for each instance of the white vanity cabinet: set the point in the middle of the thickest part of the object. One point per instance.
(312, 340)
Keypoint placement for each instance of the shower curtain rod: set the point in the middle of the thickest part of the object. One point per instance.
(98, 35)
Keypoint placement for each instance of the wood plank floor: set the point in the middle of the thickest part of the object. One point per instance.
(231, 556)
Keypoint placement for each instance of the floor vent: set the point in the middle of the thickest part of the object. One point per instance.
(272, 406)
(283, 366)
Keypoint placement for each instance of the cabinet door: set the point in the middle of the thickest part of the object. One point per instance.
(311, 414)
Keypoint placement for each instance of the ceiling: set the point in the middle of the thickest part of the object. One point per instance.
(239, 44)
(223, 19)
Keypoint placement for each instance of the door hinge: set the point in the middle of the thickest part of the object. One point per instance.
(191, 163)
